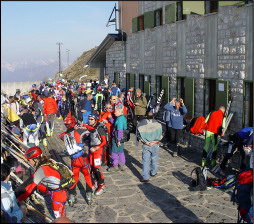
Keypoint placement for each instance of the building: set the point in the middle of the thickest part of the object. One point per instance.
(201, 51)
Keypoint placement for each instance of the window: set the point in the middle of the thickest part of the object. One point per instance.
(248, 104)
(158, 17)
(209, 96)
(141, 82)
(141, 23)
(132, 80)
(194, 7)
(180, 88)
(211, 6)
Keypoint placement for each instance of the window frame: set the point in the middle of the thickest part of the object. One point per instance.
(160, 11)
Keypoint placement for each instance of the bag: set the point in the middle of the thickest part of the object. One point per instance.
(105, 128)
(242, 195)
(197, 125)
(199, 183)
(66, 174)
(224, 183)
(71, 145)
(126, 136)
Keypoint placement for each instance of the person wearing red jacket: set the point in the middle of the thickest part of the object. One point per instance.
(74, 143)
(105, 117)
(46, 179)
(50, 110)
(215, 122)
(97, 143)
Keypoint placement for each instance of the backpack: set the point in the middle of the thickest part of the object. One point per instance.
(66, 174)
(224, 183)
(197, 125)
(242, 196)
(105, 128)
(199, 182)
(71, 145)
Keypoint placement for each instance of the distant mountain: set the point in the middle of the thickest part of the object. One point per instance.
(28, 70)
(77, 70)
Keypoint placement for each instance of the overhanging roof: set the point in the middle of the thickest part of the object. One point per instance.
(100, 54)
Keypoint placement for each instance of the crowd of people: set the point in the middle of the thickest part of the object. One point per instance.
(97, 118)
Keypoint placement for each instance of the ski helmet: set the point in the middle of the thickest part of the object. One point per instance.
(34, 85)
(33, 152)
(70, 122)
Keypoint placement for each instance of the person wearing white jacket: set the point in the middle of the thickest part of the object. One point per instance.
(8, 199)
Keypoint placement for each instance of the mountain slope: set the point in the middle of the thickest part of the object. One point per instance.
(77, 70)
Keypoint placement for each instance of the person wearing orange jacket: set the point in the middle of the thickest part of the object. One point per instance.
(74, 143)
(215, 122)
(50, 110)
(105, 117)
(46, 179)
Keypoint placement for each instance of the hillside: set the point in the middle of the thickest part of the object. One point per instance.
(76, 69)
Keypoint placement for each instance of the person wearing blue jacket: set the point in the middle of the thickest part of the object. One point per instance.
(241, 139)
(175, 123)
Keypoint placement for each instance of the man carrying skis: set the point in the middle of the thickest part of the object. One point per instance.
(215, 123)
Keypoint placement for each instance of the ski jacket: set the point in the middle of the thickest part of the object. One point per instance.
(9, 202)
(44, 175)
(176, 116)
(215, 122)
(50, 106)
(246, 134)
(150, 130)
(115, 91)
(104, 116)
(119, 127)
(141, 108)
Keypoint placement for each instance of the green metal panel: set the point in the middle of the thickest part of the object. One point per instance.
(127, 81)
(165, 86)
(116, 78)
(134, 24)
(149, 19)
(189, 96)
(225, 3)
(147, 86)
(132, 80)
(194, 7)
(221, 98)
(170, 13)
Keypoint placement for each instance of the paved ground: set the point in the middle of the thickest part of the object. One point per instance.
(166, 198)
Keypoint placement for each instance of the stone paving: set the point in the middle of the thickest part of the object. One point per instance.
(165, 198)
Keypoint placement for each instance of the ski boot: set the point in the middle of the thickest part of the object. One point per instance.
(89, 197)
(204, 160)
(44, 142)
(100, 189)
(72, 200)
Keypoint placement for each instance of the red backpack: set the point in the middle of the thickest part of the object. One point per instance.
(198, 125)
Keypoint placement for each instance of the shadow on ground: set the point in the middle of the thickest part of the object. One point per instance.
(172, 208)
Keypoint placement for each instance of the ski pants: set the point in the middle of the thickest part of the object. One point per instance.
(235, 143)
(210, 138)
(31, 132)
(50, 122)
(95, 161)
(81, 164)
(58, 199)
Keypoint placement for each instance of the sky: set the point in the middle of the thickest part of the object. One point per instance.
(31, 29)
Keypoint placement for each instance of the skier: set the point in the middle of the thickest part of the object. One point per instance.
(74, 143)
